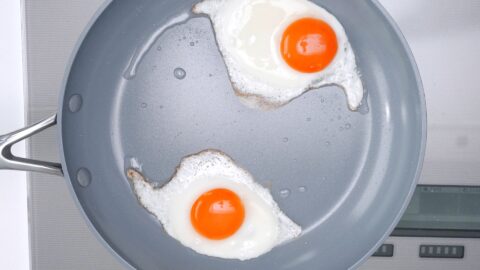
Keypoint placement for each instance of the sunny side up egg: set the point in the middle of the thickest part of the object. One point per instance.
(214, 207)
(275, 50)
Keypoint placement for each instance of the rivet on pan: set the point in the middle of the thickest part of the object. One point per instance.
(84, 177)
(75, 103)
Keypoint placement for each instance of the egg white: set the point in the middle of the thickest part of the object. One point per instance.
(249, 32)
(265, 225)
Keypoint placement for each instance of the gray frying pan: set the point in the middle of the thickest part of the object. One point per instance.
(345, 177)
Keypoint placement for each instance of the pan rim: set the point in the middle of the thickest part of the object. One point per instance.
(423, 118)
(421, 153)
(61, 99)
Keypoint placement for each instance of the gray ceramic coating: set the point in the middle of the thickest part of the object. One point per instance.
(350, 174)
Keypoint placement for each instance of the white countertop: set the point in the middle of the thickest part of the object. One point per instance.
(14, 252)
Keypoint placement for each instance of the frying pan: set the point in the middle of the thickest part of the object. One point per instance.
(144, 85)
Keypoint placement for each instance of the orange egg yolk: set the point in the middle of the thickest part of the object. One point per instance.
(217, 214)
(309, 45)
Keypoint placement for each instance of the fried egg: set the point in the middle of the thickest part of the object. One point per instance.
(214, 207)
(275, 50)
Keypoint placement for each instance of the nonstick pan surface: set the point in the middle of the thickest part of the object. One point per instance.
(348, 175)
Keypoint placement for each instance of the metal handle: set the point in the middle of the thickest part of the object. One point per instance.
(10, 162)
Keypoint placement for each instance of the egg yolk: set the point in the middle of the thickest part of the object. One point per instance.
(217, 214)
(309, 45)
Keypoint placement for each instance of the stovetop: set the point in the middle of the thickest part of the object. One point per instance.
(444, 36)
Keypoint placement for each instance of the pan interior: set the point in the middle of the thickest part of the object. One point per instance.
(348, 174)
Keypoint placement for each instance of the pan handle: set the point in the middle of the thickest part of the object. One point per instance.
(10, 162)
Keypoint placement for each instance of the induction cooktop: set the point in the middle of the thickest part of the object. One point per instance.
(444, 36)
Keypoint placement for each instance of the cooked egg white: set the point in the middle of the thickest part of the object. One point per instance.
(249, 33)
(264, 225)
